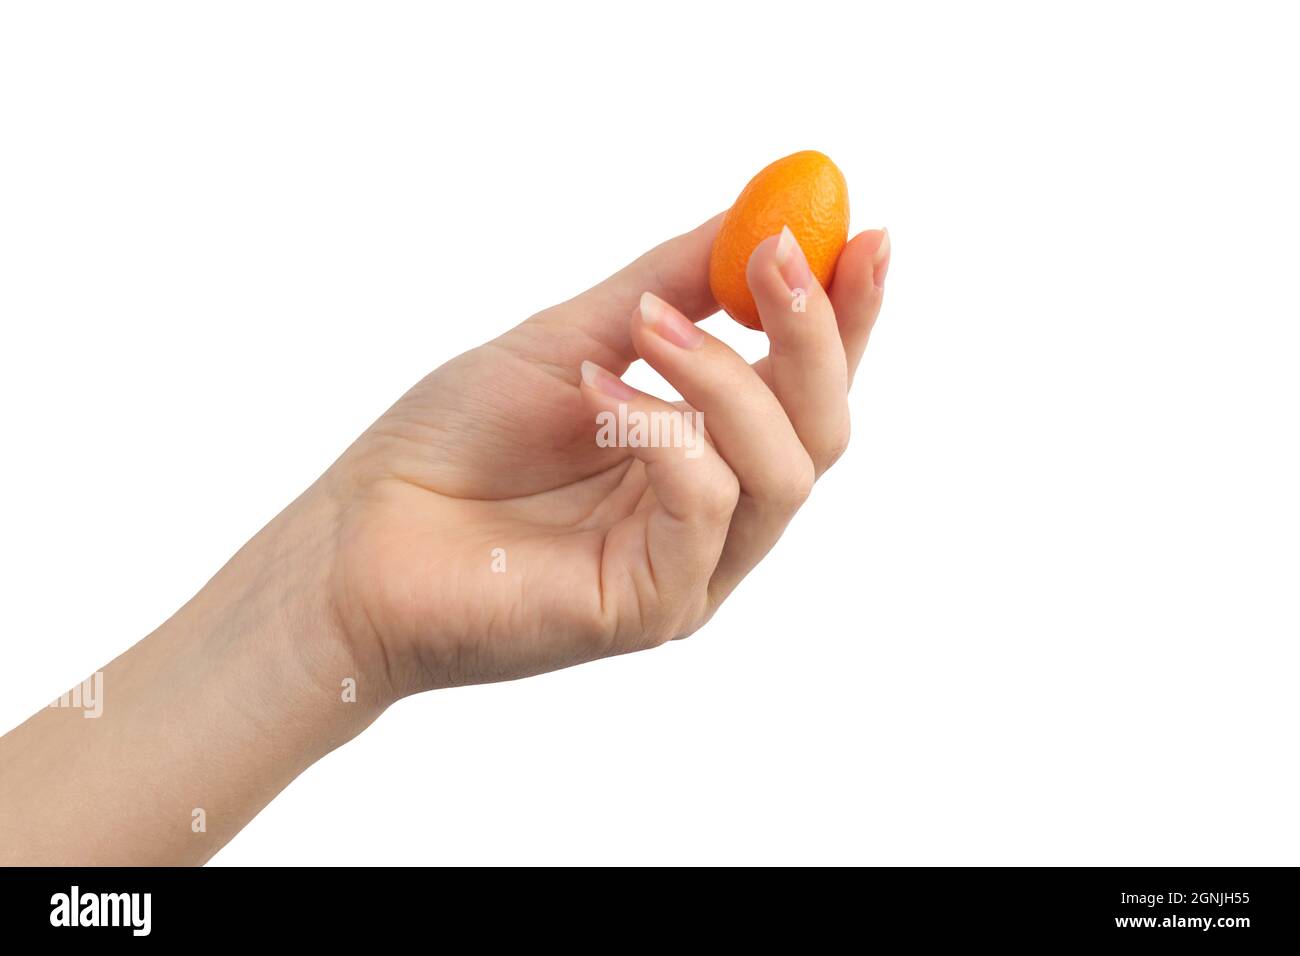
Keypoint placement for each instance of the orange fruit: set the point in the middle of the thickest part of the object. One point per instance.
(804, 191)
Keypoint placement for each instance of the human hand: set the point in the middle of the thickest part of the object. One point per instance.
(382, 571)
(605, 550)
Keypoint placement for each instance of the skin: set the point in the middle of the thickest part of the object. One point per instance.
(381, 572)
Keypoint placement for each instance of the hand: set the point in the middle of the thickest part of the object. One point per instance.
(383, 571)
(484, 535)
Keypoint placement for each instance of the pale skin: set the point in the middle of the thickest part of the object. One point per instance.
(386, 571)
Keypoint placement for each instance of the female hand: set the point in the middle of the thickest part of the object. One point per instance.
(482, 532)
(476, 532)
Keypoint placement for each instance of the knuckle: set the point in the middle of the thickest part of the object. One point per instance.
(663, 634)
(799, 339)
(835, 447)
(728, 375)
(720, 496)
(658, 631)
(701, 615)
(598, 634)
(687, 623)
(796, 485)
(598, 626)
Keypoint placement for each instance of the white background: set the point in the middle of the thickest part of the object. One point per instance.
(1044, 611)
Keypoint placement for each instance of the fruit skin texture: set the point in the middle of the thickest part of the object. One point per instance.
(804, 191)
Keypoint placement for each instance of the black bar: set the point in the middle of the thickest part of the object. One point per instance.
(1222, 907)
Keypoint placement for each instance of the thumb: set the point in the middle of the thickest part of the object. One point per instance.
(677, 271)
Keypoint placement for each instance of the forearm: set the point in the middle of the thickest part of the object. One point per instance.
(216, 711)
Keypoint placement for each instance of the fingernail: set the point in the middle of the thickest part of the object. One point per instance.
(880, 261)
(791, 263)
(606, 382)
(668, 323)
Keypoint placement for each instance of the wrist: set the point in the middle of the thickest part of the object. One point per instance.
(200, 724)
(267, 628)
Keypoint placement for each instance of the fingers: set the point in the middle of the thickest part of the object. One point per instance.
(807, 365)
(746, 422)
(858, 289)
(855, 294)
(662, 558)
(743, 417)
(776, 426)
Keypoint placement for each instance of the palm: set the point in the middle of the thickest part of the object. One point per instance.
(493, 498)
